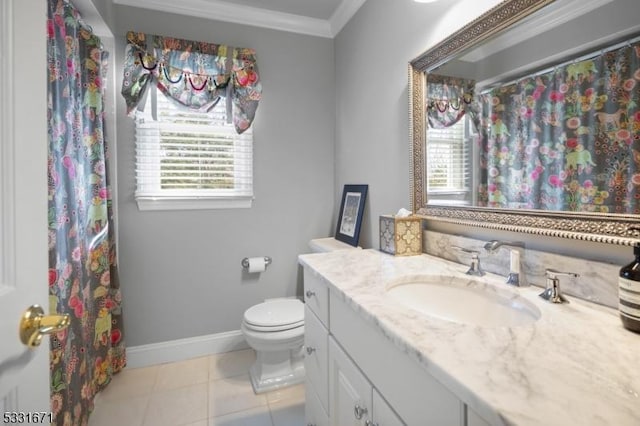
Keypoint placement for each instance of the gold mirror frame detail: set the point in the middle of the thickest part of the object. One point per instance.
(596, 227)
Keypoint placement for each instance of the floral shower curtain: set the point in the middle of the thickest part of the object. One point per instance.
(83, 280)
(568, 139)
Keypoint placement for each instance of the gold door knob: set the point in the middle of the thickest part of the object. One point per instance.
(35, 324)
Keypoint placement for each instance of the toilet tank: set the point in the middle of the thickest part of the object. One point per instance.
(323, 245)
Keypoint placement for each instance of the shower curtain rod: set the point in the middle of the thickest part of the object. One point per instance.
(584, 57)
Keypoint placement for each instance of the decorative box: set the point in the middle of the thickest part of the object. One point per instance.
(401, 236)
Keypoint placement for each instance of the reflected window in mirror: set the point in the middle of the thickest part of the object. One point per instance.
(451, 134)
(450, 152)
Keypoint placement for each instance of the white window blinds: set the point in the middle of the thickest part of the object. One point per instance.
(190, 155)
(448, 157)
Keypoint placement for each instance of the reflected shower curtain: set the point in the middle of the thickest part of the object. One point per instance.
(566, 139)
(82, 259)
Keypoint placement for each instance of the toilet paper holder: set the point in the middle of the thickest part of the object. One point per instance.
(245, 262)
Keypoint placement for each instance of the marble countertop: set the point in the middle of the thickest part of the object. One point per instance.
(576, 365)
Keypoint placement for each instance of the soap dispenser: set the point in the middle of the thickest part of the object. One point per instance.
(629, 292)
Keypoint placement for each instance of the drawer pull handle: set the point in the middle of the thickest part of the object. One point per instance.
(310, 293)
(310, 350)
(359, 411)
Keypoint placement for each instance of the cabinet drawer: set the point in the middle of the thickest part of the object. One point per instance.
(314, 413)
(316, 295)
(315, 360)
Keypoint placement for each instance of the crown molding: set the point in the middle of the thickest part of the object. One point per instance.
(257, 17)
(343, 13)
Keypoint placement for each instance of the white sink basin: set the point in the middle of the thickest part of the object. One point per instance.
(465, 301)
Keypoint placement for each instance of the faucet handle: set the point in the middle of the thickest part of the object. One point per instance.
(553, 274)
(475, 268)
(552, 290)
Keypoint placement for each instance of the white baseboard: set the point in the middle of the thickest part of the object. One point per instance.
(183, 349)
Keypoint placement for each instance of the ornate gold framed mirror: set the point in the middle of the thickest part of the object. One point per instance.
(515, 23)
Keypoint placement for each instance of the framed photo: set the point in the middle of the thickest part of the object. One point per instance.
(350, 214)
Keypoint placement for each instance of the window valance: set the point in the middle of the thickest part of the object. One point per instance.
(191, 73)
(447, 99)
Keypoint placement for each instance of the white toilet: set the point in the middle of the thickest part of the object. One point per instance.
(275, 330)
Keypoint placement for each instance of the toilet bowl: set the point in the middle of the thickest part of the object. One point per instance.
(275, 330)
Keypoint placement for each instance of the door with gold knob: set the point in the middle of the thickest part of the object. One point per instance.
(24, 372)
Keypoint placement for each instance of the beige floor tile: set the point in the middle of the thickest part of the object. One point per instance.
(129, 383)
(183, 373)
(293, 394)
(231, 364)
(231, 395)
(286, 413)
(128, 412)
(255, 417)
(177, 406)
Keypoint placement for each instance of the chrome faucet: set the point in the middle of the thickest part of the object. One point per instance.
(475, 268)
(514, 274)
(552, 291)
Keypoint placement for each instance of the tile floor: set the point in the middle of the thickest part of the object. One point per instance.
(208, 391)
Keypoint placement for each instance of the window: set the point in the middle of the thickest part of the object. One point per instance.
(448, 153)
(187, 159)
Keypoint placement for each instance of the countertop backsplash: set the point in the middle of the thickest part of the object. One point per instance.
(598, 281)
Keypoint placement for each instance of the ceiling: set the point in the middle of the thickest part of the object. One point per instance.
(322, 18)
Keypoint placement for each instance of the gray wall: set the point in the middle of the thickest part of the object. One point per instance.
(372, 120)
(180, 270)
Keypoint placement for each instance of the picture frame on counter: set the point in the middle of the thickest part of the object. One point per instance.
(351, 213)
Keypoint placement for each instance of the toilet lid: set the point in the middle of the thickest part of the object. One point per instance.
(275, 313)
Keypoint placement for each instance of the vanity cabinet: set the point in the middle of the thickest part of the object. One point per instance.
(353, 371)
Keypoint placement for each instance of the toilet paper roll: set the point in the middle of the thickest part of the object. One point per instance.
(257, 264)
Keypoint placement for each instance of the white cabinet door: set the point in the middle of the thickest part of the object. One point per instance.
(349, 390)
(315, 359)
(314, 412)
(383, 415)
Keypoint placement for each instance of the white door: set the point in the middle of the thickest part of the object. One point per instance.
(24, 373)
(349, 390)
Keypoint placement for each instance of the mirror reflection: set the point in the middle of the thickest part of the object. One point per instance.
(544, 116)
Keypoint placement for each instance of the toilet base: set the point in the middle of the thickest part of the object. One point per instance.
(276, 369)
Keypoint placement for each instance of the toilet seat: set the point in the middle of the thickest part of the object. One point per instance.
(275, 315)
(273, 328)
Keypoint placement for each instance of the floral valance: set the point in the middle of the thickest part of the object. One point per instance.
(566, 139)
(448, 98)
(192, 73)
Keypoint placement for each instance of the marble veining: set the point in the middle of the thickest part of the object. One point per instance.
(598, 281)
(575, 365)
